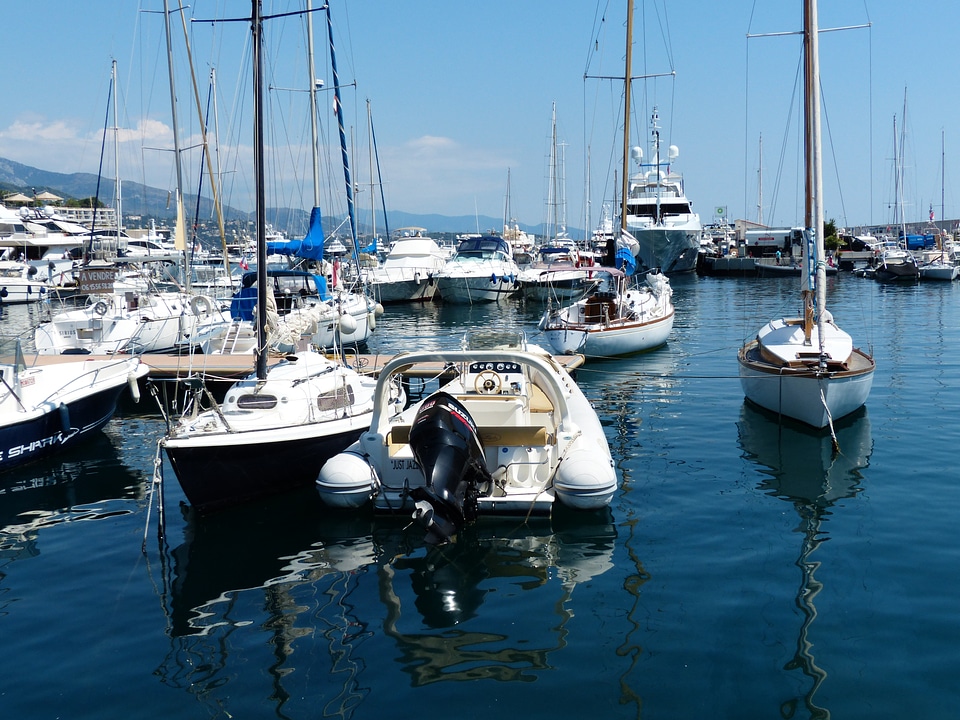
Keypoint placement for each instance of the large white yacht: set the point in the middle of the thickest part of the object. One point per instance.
(659, 215)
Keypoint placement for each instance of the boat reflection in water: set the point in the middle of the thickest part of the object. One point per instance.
(78, 484)
(341, 602)
(802, 469)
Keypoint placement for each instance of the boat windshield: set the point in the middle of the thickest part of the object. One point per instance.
(494, 340)
(482, 247)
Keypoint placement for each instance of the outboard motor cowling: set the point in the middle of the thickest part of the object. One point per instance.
(447, 446)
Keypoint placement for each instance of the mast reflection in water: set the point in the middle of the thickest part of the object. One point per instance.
(304, 582)
(802, 469)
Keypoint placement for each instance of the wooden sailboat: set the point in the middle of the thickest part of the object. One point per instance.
(622, 314)
(807, 368)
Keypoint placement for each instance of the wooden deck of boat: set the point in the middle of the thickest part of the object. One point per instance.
(227, 367)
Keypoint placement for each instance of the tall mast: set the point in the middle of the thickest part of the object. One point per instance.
(173, 97)
(942, 178)
(313, 107)
(214, 179)
(553, 222)
(813, 215)
(116, 155)
(351, 211)
(376, 156)
(373, 199)
(760, 185)
(256, 27)
(626, 117)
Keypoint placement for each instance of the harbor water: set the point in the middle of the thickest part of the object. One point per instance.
(742, 571)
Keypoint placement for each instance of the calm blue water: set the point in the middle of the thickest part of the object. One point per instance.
(741, 572)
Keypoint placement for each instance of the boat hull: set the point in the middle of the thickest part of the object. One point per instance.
(612, 341)
(21, 293)
(796, 392)
(216, 473)
(64, 419)
(400, 291)
(673, 250)
(939, 272)
(470, 289)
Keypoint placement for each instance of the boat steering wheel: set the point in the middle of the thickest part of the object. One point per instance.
(488, 383)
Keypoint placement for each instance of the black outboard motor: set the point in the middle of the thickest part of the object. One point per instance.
(445, 442)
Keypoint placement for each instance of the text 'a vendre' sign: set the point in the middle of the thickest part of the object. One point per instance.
(96, 281)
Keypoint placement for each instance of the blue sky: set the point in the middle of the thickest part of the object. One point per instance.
(461, 92)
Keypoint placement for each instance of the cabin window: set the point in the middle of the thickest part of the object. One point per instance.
(335, 399)
(256, 402)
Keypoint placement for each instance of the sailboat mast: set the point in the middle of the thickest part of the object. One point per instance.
(376, 157)
(173, 98)
(256, 27)
(626, 117)
(351, 211)
(373, 201)
(176, 133)
(760, 185)
(116, 155)
(814, 176)
(942, 178)
(313, 107)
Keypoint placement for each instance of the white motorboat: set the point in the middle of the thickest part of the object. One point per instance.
(939, 270)
(938, 264)
(47, 408)
(21, 282)
(129, 322)
(510, 434)
(807, 368)
(896, 264)
(408, 272)
(621, 316)
(482, 270)
(559, 273)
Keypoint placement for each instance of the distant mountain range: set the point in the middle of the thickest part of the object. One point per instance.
(152, 202)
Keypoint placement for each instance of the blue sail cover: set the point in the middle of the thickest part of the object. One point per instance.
(311, 247)
(625, 261)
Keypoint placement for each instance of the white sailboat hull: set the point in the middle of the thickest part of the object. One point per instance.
(610, 324)
(806, 394)
(611, 341)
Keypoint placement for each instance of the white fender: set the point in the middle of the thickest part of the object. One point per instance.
(585, 482)
(347, 480)
(134, 387)
(348, 324)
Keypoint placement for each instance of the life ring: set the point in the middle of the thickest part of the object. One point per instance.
(100, 308)
(200, 305)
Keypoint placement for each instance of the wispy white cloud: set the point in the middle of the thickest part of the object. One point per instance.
(37, 130)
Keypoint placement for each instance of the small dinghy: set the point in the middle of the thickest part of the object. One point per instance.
(510, 434)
